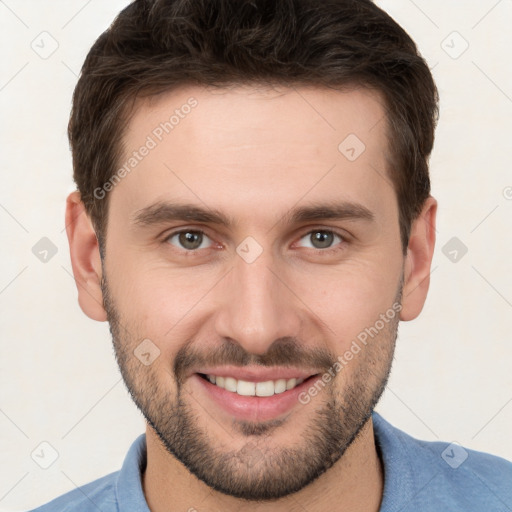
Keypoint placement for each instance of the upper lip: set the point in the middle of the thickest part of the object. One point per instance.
(257, 373)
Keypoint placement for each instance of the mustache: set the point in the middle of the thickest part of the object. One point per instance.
(285, 351)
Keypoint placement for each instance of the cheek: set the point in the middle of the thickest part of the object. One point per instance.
(160, 303)
(351, 299)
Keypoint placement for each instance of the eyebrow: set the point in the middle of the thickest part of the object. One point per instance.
(162, 212)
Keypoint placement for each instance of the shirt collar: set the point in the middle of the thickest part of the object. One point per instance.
(398, 472)
(129, 494)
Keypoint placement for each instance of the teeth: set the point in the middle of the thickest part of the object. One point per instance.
(290, 383)
(245, 388)
(265, 388)
(279, 386)
(230, 384)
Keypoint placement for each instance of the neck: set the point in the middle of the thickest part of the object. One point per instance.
(354, 484)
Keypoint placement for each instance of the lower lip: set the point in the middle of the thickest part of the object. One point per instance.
(253, 408)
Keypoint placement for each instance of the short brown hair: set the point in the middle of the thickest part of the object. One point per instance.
(154, 46)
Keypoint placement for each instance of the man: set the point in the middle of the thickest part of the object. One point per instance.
(253, 218)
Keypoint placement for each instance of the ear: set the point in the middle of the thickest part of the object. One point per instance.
(85, 258)
(418, 261)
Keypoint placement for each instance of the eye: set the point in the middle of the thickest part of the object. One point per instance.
(188, 239)
(322, 238)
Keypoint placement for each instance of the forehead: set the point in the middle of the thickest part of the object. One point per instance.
(250, 145)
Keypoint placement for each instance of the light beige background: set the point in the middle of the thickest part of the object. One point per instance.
(59, 382)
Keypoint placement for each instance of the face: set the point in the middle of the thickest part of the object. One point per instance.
(246, 248)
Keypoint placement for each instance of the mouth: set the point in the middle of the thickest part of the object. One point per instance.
(248, 388)
(251, 400)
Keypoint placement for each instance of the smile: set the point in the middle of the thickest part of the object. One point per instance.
(246, 388)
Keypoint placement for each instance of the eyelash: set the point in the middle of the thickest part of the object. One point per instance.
(195, 252)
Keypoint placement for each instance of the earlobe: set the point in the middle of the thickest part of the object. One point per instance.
(85, 258)
(418, 261)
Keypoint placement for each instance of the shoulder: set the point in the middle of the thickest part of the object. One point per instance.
(119, 490)
(441, 475)
(476, 479)
(96, 495)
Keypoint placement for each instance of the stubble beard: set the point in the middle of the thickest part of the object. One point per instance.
(257, 472)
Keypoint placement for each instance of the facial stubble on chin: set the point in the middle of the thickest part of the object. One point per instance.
(255, 472)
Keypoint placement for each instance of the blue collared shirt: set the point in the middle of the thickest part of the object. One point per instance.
(419, 476)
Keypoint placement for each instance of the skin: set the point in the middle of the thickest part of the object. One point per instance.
(255, 154)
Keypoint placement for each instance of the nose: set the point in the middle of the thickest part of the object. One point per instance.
(256, 305)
